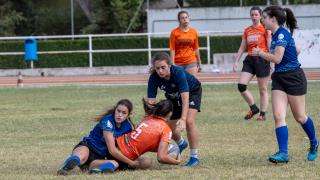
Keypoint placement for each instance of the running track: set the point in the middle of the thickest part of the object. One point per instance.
(123, 79)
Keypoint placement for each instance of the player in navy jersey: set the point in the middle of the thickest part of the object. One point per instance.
(185, 92)
(289, 84)
(94, 149)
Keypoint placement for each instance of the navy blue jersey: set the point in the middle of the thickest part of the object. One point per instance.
(180, 81)
(290, 57)
(107, 123)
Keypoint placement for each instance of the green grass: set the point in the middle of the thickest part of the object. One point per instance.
(40, 126)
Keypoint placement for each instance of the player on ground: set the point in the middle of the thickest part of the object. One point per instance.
(254, 36)
(289, 84)
(185, 92)
(184, 45)
(152, 135)
(93, 149)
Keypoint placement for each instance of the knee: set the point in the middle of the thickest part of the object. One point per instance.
(301, 119)
(145, 163)
(263, 91)
(242, 87)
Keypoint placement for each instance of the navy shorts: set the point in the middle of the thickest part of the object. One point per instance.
(194, 103)
(292, 82)
(257, 66)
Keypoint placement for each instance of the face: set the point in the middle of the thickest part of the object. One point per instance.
(255, 16)
(121, 113)
(184, 19)
(162, 68)
(266, 20)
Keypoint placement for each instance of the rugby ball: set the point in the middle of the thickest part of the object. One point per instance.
(173, 151)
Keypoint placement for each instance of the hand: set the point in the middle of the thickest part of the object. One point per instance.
(235, 66)
(256, 51)
(134, 164)
(179, 159)
(181, 125)
(199, 67)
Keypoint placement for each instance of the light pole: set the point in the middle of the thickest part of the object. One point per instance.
(72, 22)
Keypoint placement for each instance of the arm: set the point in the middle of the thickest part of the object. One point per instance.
(172, 55)
(162, 155)
(239, 54)
(114, 151)
(172, 44)
(274, 58)
(197, 51)
(185, 108)
(268, 38)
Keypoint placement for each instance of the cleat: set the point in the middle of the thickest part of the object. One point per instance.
(261, 118)
(193, 162)
(183, 146)
(279, 157)
(313, 152)
(68, 165)
(99, 171)
(251, 113)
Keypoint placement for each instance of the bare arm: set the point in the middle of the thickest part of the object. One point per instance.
(172, 55)
(114, 151)
(197, 52)
(274, 58)
(162, 155)
(241, 49)
(185, 108)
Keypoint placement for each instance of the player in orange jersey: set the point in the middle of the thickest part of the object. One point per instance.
(254, 36)
(153, 134)
(184, 45)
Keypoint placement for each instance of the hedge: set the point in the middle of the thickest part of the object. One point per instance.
(218, 45)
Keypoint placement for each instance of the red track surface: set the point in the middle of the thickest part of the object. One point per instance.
(121, 79)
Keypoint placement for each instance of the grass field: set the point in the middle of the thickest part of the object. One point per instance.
(40, 126)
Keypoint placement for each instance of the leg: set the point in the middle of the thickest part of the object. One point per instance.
(144, 162)
(297, 104)
(79, 156)
(103, 166)
(176, 135)
(193, 137)
(279, 108)
(245, 78)
(264, 99)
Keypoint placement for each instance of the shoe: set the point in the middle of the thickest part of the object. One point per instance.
(313, 152)
(68, 165)
(279, 157)
(193, 162)
(261, 118)
(99, 171)
(183, 146)
(251, 113)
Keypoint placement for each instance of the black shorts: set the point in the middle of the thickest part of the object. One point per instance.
(194, 103)
(256, 66)
(292, 82)
(92, 156)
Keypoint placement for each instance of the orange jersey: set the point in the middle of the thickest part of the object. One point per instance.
(145, 138)
(256, 37)
(184, 44)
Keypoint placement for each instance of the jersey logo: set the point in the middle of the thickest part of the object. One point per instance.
(109, 125)
(162, 87)
(173, 85)
(280, 36)
(192, 103)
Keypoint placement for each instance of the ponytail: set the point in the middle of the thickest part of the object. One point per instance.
(162, 108)
(291, 21)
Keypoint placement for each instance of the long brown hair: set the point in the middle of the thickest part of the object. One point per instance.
(162, 108)
(125, 102)
(160, 56)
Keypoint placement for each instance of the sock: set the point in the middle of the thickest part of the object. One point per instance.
(308, 127)
(253, 107)
(71, 158)
(282, 138)
(262, 113)
(181, 141)
(194, 153)
(107, 166)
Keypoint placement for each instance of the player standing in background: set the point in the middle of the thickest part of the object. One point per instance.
(184, 45)
(254, 36)
(289, 84)
(185, 92)
(93, 149)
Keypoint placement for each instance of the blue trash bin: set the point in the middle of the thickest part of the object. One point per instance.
(30, 49)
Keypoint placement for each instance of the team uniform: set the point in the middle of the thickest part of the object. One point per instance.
(180, 81)
(184, 44)
(256, 37)
(145, 138)
(96, 142)
(288, 75)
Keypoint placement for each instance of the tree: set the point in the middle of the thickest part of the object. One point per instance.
(9, 18)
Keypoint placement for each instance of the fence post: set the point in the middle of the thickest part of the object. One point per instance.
(90, 50)
(208, 47)
(149, 49)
